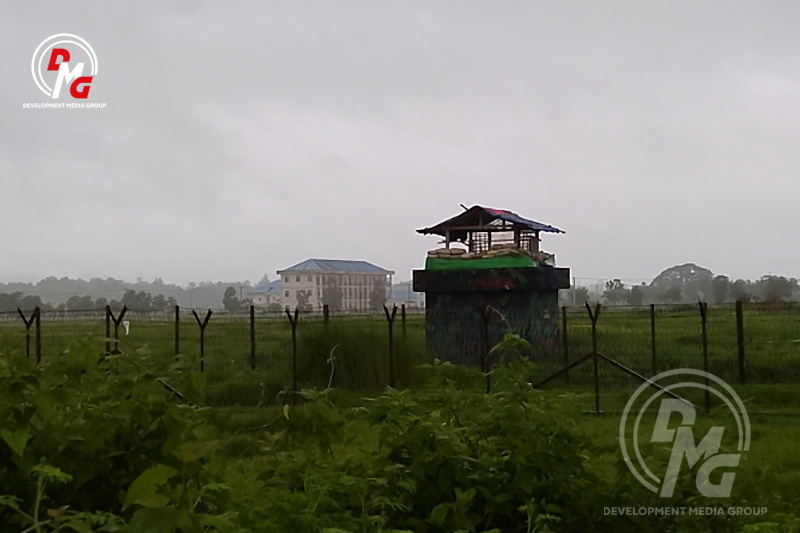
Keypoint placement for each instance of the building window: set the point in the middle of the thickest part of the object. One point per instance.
(318, 280)
(310, 278)
(286, 294)
(297, 279)
(286, 279)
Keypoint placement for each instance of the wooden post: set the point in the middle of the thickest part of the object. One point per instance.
(653, 337)
(703, 319)
(177, 331)
(565, 341)
(202, 325)
(740, 339)
(252, 337)
(293, 323)
(390, 320)
(326, 318)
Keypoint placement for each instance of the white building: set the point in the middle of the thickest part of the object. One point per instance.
(343, 284)
(265, 295)
(403, 294)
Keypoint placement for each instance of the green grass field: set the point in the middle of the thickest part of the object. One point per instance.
(441, 456)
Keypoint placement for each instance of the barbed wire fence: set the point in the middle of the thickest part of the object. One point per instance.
(741, 343)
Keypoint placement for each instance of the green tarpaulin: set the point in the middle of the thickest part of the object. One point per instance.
(503, 261)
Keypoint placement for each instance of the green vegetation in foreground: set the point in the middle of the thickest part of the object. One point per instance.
(104, 445)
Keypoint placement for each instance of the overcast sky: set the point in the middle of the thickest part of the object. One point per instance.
(243, 137)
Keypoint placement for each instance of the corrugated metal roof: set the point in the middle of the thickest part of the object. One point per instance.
(477, 213)
(336, 265)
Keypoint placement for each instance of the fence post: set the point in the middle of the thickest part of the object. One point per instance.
(703, 319)
(252, 337)
(293, 323)
(390, 320)
(38, 312)
(485, 365)
(28, 323)
(202, 325)
(117, 321)
(108, 329)
(326, 311)
(740, 339)
(403, 319)
(177, 331)
(565, 341)
(594, 316)
(653, 337)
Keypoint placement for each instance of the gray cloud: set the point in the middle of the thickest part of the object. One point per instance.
(242, 137)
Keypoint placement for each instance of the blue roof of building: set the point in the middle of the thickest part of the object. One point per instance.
(335, 265)
(271, 287)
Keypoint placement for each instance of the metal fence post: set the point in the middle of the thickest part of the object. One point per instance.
(485, 364)
(390, 320)
(202, 325)
(177, 331)
(108, 329)
(252, 337)
(326, 311)
(403, 319)
(653, 337)
(740, 340)
(293, 323)
(38, 312)
(594, 316)
(703, 320)
(565, 341)
(28, 323)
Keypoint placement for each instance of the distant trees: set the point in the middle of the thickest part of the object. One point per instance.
(574, 295)
(15, 300)
(615, 291)
(635, 296)
(720, 287)
(230, 302)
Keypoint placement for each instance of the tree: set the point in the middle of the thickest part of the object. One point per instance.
(230, 302)
(30, 301)
(673, 295)
(303, 298)
(100, 303)
(635, 296)
(741, 290)
(576, 295)
(377, 296)
(776, 288)
(83, 303)
(720, 287)
(615, 291)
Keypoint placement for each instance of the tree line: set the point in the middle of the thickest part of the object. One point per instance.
(687, 283)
